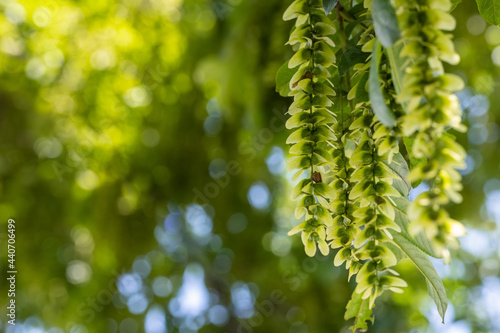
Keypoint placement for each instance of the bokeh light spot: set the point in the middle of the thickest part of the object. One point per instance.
(150, 137)
(276, 161)
(192, 299)
(237, 223)
(129, 284)
(162, 287)
(87, 180)
(155, 321)
(217, 168)
(137, 97)
(78, 272)
(218, 315)
(259, 196)
(243, 300)
(476, 25)
(15, 13)
(137, 303)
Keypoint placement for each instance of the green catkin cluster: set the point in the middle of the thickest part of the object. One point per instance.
(387, 138)
(344, 229)
(311, 120)
(432, 109)
(376, 147)
(376, 213)
(354, 196)
(342, 233)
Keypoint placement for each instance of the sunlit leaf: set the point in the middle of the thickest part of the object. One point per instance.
(421, 261)
(399, 167)
(419, 240)
(358, 308)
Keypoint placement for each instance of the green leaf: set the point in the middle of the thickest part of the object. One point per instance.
(489, 10)
(435, 286)
(377, 99)
(361, 93)
(385, 22)
(357, 10)
(419, 240)
(399, 167)
(328, 5)
(454, 4)
(358, 308)
(351, 57)
(398, 65)
(283, 77)
(396, 250)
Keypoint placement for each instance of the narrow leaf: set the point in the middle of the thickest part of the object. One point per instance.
(398, 65)
(385, 22)
(328, 5)
(377, 99)
(435, 286)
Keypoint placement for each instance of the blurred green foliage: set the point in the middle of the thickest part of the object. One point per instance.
(142, 145)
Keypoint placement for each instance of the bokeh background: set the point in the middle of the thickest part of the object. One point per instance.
(142, 156)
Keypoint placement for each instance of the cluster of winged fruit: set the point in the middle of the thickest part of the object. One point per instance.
(371, 109)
